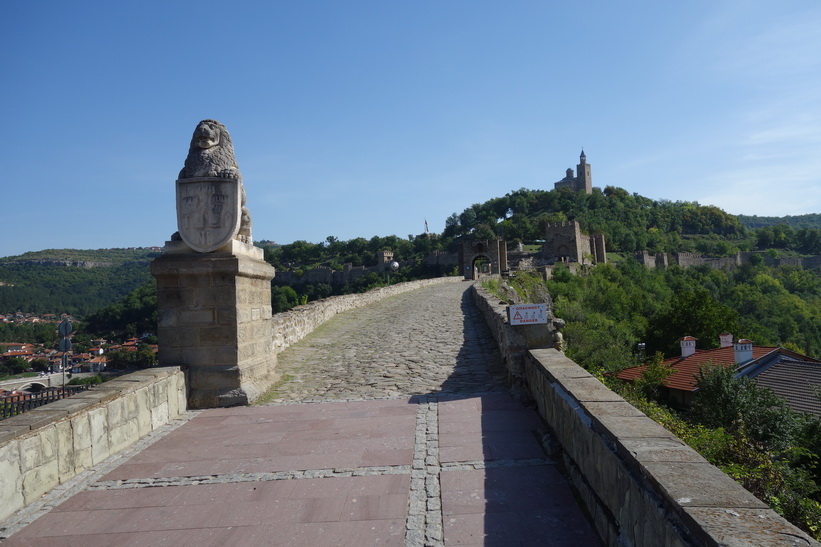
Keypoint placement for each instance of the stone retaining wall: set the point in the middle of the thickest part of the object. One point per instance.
(292, 326)
(45, 447)
(640, 483)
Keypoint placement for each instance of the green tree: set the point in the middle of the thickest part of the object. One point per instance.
(652, 379)
(144, 357)
(15, 365)
(132, 316)
(283, 298)
(740, 405)
(694, 312)
(119, 360)
(39, 364)
(483, 231)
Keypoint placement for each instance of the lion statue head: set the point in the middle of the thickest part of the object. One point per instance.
(211, 153)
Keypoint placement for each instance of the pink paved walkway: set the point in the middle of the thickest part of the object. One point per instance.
(446, 470)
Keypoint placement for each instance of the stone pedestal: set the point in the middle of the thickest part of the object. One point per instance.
(215, 321)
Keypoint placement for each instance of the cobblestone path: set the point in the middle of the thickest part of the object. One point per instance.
(429, 340)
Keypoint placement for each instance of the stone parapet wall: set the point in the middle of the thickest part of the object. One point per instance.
(640, 483)
(48, 446)
(294, 325)
(688, 260)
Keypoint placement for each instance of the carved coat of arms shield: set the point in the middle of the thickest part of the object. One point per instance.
(208, 212)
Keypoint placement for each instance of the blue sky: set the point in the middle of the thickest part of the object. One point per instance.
(365, 118)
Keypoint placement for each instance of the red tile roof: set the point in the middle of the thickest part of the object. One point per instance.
(25, 353)
(687, 368)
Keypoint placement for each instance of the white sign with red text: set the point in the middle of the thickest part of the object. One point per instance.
(527, 314)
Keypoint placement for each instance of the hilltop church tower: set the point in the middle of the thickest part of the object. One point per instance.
(581, 183)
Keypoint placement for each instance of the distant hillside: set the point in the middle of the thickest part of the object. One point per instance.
(71, 280)
(83, 257)
(799, 221)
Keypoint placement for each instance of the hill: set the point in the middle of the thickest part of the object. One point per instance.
(71, 281)
(630, 223)
(799, 221)
(83, 257)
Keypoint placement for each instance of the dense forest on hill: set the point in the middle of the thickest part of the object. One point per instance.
(358, 251)
(301, 256)
(83, 256)
(795, 222)
(71, 281)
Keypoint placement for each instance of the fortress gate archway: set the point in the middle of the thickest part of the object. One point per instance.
(494, 251)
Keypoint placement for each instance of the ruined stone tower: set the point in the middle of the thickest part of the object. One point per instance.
(565, 242)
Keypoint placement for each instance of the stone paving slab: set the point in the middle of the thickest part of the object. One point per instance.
(511, 506)
(193, 487)
(259, 439)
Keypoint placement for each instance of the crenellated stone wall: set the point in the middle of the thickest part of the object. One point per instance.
(641, 484)
(294, 325)
(48, 446)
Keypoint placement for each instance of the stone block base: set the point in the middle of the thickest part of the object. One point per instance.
(215, 323)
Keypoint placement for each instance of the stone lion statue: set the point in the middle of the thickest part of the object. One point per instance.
(211, 154)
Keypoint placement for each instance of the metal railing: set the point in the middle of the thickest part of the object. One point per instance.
(12, 405)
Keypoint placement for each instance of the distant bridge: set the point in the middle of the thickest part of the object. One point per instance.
(33, 383)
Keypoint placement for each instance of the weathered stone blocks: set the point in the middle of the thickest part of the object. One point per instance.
(47, 446)
(215, 323)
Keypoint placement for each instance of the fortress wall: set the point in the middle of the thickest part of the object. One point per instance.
(812, 262)
(645, 259)
(324, 274)
(687, 260)
(640, 483)
(318, 275)
(791, 261)
(293, 325)
(48, 446)
(442, 258)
